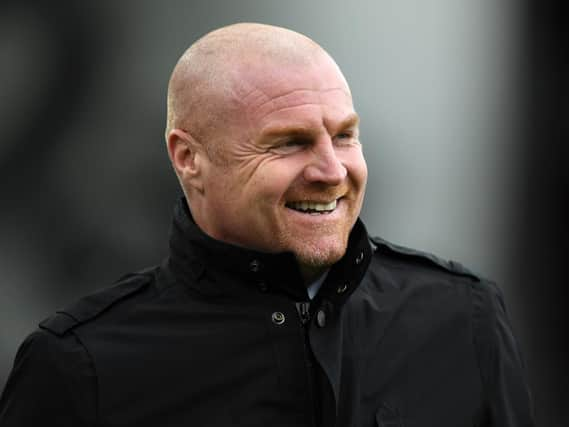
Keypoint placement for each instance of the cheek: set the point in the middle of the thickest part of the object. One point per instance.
(271, 182)
(357, 168)
(363, 171)
(224, 192)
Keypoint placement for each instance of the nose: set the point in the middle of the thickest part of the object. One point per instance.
(325, 166)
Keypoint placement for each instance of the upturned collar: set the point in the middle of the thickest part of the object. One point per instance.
(217, 269)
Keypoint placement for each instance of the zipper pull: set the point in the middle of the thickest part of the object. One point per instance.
(303, 309)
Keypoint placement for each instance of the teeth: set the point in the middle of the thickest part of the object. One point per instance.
(313, 206)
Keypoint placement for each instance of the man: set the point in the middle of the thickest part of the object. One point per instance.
(274, 307)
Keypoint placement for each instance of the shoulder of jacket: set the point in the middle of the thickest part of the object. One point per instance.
(382, 246)
(91, 306)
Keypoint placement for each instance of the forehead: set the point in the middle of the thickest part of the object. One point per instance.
(295, 92)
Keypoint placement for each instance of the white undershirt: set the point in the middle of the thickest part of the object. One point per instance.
(314, 287)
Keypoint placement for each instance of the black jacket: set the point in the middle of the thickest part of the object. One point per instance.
(222, 336)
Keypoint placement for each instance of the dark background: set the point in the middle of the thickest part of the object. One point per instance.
(462, 106)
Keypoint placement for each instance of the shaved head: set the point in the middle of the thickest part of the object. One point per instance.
(264, 139)
(206, 84)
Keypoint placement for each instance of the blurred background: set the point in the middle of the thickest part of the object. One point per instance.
(462, 128)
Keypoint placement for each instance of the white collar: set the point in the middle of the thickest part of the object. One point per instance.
(314, 287)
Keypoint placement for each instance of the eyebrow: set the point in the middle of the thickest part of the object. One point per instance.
(351, 120)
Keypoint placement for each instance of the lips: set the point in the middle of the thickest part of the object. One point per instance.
(308, 206)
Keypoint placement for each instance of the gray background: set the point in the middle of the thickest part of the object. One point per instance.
(456, 101)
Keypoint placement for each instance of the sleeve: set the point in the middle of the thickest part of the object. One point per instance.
(501, 365)
(52, 383)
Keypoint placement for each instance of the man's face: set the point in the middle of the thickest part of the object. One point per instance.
(290, 174)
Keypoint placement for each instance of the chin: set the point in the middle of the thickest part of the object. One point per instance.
(318, 255)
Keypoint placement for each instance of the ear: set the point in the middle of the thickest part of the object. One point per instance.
(186, 155)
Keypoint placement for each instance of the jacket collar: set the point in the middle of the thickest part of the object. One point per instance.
(218, 269)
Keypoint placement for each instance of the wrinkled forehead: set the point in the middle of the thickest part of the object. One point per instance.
(261, 86)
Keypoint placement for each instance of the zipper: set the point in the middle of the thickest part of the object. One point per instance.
(303, 309)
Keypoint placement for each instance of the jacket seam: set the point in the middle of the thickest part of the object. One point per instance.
(96, 392)
(474, 327)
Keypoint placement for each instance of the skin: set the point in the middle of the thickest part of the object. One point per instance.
(261, 118)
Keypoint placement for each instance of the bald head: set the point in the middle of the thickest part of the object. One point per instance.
(203, 88)
(260, 122)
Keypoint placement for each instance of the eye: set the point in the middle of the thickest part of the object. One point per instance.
(295, 142)
(345, 137)
(291, 145)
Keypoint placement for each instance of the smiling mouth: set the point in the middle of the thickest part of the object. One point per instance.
(313, 208)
